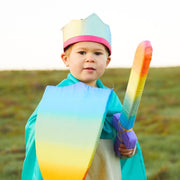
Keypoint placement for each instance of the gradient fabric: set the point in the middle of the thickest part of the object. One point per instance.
(68, 127)
(90, 29)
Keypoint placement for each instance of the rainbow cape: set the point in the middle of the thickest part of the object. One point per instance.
(68, 127)
(131, 168)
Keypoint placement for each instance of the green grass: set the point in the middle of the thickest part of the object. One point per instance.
(157, 123)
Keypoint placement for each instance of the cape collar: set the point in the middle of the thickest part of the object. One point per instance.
(74, 80)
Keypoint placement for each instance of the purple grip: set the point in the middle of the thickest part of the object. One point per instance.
(128, 138)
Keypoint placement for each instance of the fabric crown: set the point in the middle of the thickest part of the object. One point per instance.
(90, 29)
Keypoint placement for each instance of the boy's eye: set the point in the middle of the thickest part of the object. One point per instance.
(82, 52)
(97, 53)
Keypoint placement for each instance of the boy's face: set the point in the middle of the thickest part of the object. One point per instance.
(87, 61)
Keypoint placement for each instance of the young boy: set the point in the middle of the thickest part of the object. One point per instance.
(87, 50)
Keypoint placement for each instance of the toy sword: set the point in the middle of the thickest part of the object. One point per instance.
(124, 121)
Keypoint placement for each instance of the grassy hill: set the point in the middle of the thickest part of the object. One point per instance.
(157, 123)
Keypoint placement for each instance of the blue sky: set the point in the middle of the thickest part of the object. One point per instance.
(31, 37)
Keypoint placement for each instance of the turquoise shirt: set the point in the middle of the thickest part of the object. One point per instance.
(131, 168)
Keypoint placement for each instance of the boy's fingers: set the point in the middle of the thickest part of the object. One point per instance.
(124, 150)
(122, 145)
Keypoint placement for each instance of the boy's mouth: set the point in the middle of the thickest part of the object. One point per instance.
(89, 69)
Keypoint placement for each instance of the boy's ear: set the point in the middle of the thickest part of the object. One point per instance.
(65, 59)
(108, 60)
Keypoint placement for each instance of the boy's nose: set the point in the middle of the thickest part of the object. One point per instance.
(90, 58)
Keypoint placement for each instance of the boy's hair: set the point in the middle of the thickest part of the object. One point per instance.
(67, 50)
(90, 29)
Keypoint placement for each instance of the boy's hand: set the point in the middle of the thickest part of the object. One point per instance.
(124, 151)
